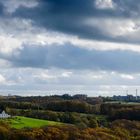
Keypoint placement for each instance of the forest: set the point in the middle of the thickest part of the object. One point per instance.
(83, 118)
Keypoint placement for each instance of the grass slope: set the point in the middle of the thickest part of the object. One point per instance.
(19, 122)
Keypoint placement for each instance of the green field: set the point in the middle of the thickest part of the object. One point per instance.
(19, 122)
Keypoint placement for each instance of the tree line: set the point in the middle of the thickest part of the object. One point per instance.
(118, 130)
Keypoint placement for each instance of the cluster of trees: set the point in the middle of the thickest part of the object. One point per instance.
(55, 105)
(119, 130)
(70, 106)
(61, 108)
(79, 119)
(121, 111)
(112, 110)
(80, 97)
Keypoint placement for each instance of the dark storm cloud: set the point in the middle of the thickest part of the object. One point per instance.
(1, 9)
(67, 16)
(128, 7)
(63, 16)
(71, 57)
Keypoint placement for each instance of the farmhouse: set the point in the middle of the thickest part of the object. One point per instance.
(4, 115)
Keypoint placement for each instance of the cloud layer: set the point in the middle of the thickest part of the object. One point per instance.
(66, 43)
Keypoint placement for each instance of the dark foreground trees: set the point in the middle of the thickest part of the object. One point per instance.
(119, 130)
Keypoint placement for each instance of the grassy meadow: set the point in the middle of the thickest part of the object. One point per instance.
(19, 122)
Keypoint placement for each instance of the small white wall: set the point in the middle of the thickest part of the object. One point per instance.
(4, 115)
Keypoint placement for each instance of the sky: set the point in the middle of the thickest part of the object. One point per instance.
(69, 46)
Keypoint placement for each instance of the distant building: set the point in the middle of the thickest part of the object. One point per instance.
(4, 115)
(128, 98)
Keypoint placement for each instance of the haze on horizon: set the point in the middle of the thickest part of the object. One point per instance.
(69, 45)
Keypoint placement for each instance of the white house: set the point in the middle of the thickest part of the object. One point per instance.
(4, 115)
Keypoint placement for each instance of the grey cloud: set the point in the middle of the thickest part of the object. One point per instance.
(69, 16)
(1, 9)
(128, 7)
(72, 57)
